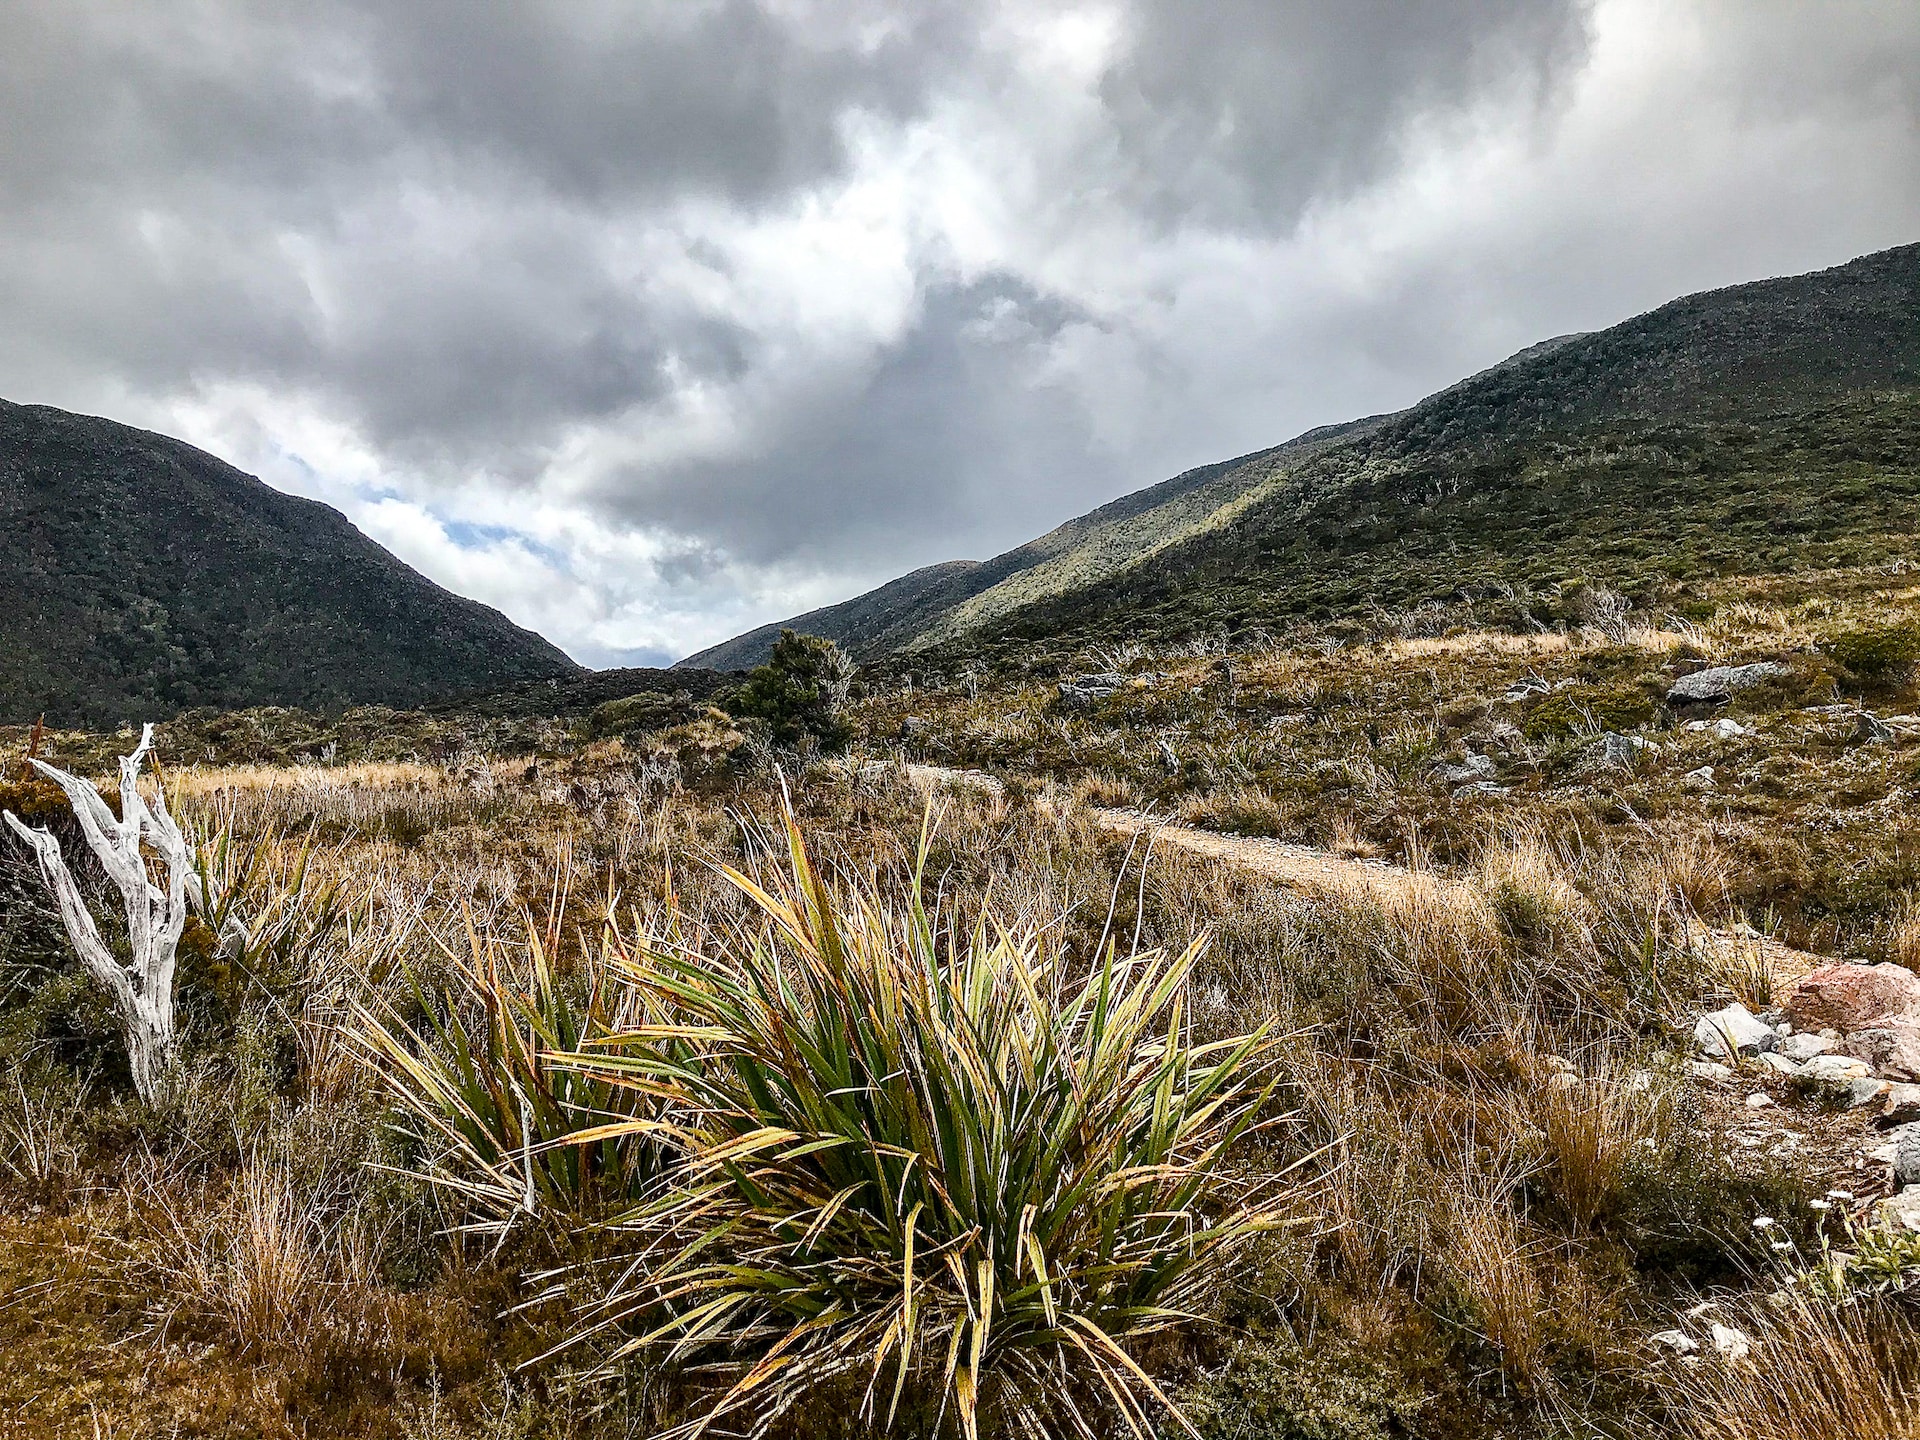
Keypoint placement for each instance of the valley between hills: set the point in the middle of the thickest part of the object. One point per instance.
(1414, 932)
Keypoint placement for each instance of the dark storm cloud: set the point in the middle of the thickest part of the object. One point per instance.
(405, 208)
(1245, 111)
(949, 436)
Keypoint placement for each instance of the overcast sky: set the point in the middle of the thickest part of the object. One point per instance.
(649, 322)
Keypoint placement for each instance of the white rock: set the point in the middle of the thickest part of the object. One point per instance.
(1836, 1068)
(1804, 1047)
(1759, 1100)
(1709, 1070)
(1729, 729)
(1701, 779)
(1731, 1031)
(1900, 1212)
(1883, 1154)
(1677, 1341)
(1731, 1343)
(1774, 1060)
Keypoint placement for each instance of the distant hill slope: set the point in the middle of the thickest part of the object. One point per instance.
(927, 602)
(144, 577)
(863, 623)
(1764, 426)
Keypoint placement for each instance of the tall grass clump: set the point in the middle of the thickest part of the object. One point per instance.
(1817, 1370)
(924, 1158)
(498, 1115)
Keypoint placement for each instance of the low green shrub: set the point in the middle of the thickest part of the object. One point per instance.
(1278, 1390)
(1585, 708)
(1877, 654)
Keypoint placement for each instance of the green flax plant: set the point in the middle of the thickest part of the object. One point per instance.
(502, 1119)
(922, 1156)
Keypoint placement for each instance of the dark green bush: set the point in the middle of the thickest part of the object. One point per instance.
(1583, 707)
(801, 692)
(1876, 654)
(637, 714)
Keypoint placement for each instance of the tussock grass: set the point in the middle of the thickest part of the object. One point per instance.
(1816, 1371)
(507, 1122)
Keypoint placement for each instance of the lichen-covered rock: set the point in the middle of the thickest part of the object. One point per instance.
(1901, 1105)
(1474, 769)
(1891, 1051)
(1867, 1091)
(1802, 1047)
(1721, 682)
(1900, 1212)
(1906, 1154)
(1836, 1069)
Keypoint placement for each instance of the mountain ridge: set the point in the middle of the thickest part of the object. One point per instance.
(1707, 372)
(150, 577)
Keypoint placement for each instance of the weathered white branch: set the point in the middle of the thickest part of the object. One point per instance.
(141, 989)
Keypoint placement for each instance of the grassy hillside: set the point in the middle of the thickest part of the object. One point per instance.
(1766, 427)
(145, 577)
(904, 613)
(1745, 430)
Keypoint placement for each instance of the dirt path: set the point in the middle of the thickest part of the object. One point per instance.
(1301, 866)
(1304, 867)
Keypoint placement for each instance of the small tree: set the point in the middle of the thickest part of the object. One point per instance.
(801, 691)
(142, 988)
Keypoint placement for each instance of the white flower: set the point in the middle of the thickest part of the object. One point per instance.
(1781, 1245)
(1839, 1195)
(1763, 1222)
(1819, 1204)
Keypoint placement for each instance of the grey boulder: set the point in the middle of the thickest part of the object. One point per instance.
(1475, 768)
(1721, 683)
(1906, 1153)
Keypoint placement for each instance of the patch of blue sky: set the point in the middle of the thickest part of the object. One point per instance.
(470, 535)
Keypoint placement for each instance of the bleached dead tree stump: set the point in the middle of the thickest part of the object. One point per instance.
(142, 988)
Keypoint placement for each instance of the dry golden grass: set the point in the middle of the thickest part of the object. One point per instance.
(1816, 1372)
(1493, 1266)
(1903, 933)
(272, 1262)
(1593, 1132)
(199, 782)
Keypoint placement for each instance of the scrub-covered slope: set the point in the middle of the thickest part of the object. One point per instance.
(143, 577)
